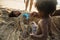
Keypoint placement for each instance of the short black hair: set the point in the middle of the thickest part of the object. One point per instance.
(12, 14)
(46, 7)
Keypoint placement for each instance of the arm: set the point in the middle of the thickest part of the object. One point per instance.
(44, 29)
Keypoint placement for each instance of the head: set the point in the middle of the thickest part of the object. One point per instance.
(34, 14)
(14, 14)
(45, 7)
(26, 16)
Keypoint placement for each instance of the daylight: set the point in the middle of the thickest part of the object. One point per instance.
(19, 4)
(29, 19)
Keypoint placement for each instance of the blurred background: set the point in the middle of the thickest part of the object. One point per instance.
(10, 27)
(19, 4)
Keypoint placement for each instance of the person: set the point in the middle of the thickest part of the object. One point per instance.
(26, 4)
(14, 14)
(34, 14)
(34, 27)
(45, 8)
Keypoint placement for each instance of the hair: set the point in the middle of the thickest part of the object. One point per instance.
(47, 7)
(12, 14)
(34, 14)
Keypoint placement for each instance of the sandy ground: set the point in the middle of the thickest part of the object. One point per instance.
(8, 28)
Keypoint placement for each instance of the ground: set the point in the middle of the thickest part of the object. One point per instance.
(9, 28)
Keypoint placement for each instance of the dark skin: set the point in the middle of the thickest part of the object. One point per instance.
(43, 29)
(14, 14)
(44, 8)
(34, 16)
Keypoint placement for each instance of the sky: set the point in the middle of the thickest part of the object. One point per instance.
(19, 4)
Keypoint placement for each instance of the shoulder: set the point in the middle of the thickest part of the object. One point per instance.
(42, 21)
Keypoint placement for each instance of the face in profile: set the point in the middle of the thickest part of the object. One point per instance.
(14, 14)
(34, 14)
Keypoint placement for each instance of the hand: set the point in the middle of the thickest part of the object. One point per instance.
(32, 35)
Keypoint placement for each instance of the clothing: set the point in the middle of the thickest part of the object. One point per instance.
(34, 27)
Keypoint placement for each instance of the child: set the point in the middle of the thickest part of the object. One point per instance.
(14, 14)
(44, 9)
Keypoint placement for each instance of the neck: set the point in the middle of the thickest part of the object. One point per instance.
(41, 15)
